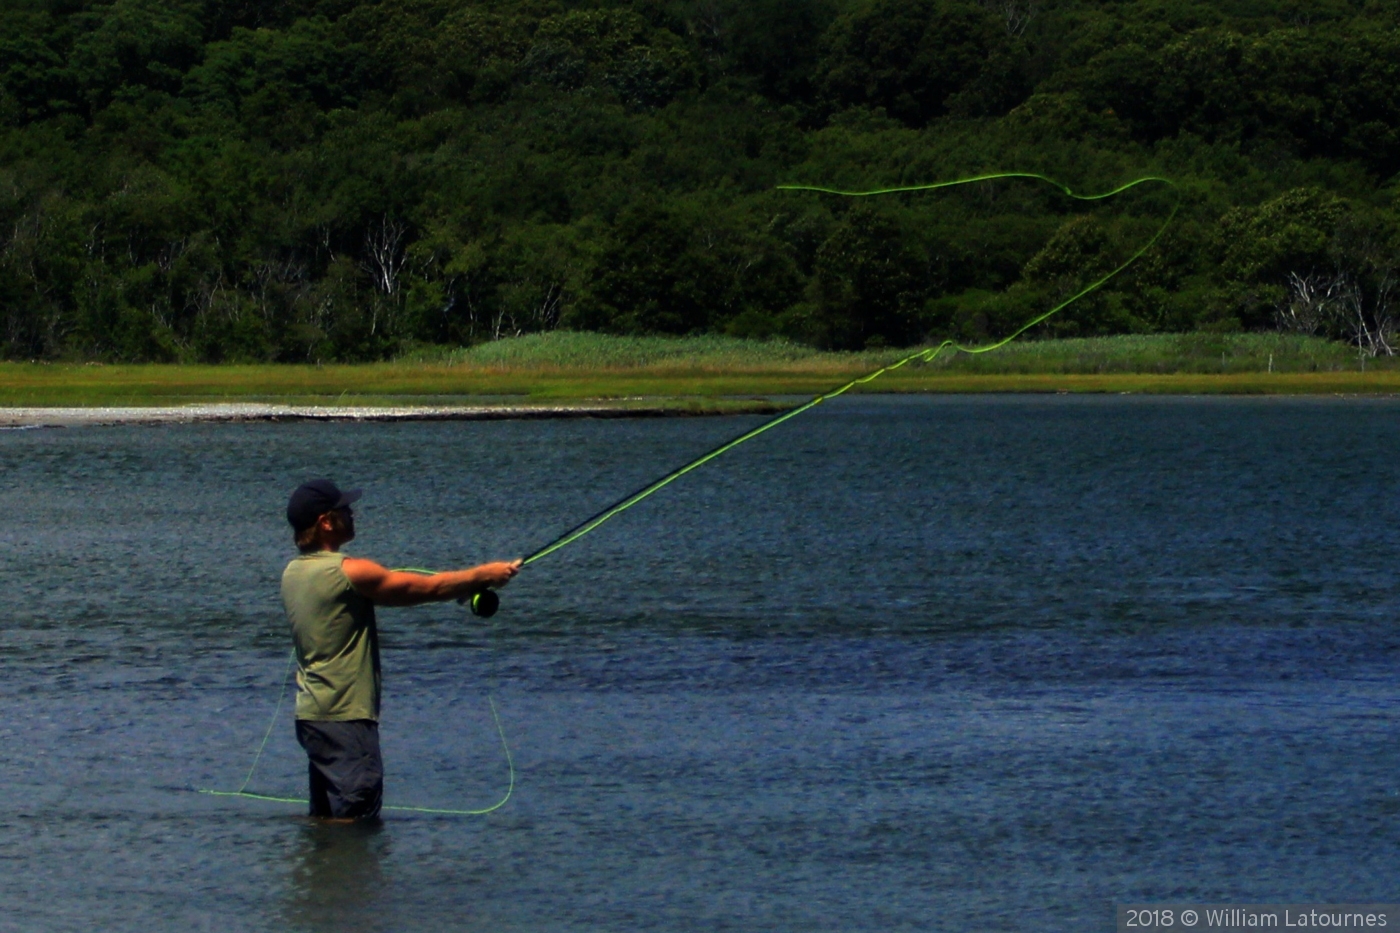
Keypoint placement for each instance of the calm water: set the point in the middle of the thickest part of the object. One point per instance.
(902, 664)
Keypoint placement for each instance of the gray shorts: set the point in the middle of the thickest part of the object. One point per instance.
(347, 773)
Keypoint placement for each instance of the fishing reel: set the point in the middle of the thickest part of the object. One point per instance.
(484, 603)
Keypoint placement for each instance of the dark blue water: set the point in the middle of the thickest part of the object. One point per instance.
(901, 664)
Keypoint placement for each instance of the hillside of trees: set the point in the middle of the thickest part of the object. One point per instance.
(316, 180)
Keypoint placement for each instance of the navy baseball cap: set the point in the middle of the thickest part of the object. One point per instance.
(312, 500)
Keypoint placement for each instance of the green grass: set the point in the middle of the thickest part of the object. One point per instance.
(586, 351)
(1170, 353)
(1154, 353)
(717, 373)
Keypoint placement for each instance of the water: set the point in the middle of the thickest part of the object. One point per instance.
(902, 664)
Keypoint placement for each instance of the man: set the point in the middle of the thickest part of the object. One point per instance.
(330, 600)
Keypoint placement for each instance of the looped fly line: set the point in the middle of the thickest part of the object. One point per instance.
(277, 711)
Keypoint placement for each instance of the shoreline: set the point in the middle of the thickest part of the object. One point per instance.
(242, 412)
(568, 374)
(15, 417)
(397, 391)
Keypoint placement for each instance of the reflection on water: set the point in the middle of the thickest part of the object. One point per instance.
(336, 878)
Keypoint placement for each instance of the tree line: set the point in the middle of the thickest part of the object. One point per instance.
(316, 180)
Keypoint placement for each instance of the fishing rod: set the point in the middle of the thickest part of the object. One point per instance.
(486, 602)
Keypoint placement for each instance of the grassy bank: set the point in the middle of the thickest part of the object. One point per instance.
(710, 373)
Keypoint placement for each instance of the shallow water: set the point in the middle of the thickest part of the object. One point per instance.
(988, 663)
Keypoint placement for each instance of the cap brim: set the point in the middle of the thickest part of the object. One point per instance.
(348, 496)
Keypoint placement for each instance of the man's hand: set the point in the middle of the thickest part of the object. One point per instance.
(498, 574)
(385, 587)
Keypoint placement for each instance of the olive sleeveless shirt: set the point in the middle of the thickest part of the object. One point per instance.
(337, 644)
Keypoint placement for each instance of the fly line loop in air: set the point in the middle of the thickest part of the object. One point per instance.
(926, 355)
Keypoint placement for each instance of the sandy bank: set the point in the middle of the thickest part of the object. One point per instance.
(253, 411)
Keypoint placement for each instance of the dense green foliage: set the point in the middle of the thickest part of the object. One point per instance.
(219, 180)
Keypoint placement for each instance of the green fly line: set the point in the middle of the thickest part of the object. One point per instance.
(247, 795)
(926, 355)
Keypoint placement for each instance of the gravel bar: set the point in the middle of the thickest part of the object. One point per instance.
(251, 411)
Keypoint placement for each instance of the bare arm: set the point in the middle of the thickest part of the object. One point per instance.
(385, 587)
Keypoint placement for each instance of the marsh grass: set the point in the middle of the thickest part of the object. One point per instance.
(1148, 353)
(697, 373)
(1169, 354)
(572, 350)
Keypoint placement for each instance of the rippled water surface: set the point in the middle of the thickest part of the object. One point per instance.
(901, 664)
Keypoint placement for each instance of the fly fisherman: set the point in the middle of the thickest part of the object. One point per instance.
(330, 600)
